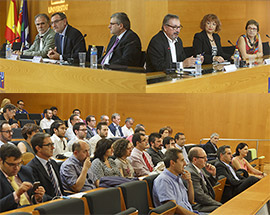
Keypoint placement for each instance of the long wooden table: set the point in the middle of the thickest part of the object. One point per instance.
(249, 201)
(27, 77)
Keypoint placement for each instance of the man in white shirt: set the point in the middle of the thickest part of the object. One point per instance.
(102, 132)
(58, 128)
(180, 141)
(127, 128)
(73, 120)
(5, 133)
(47, 121)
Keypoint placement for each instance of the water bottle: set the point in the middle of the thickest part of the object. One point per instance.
(198, 65)
(8, 51)
(93, 57)
(236, 58)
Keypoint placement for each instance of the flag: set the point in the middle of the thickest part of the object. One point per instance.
(25, 36)
(19, 24)
(10, 33)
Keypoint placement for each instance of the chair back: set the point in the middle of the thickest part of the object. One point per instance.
(168, 208)
(21, 116)
(266, 48)
(27, 157)
(219, 188)
(19, 213)
(150, 182)
(25, 121)
(17, 133)
(63, 207)
(189, 51)
(189, 146)
(143, 59)
(100, 52)
(228, 49)
(35, 116)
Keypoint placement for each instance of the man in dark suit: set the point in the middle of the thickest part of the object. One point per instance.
(125, 46)
(115, 129)
(90, 126)
(166, 48)
(45, 169)
(68, 40)
(211, 147)
(203, 176)
(16, 180)
(237, 183)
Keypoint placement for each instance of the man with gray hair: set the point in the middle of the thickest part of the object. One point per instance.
(44, 40)
(105, 118)
(166, 48)
(127, 128)
(211, 147)
(114, 128)
(203, 176)
(125, 46)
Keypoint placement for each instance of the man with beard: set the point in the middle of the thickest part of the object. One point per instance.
(102, 132)
(58, 130)
(47, 121)
(5, 133)
(154, 151)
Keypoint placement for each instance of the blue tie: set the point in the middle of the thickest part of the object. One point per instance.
(61, 43)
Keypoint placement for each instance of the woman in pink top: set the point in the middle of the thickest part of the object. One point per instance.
(239, 161)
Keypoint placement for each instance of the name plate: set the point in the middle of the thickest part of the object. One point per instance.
(14, 57)
(267, 61)
(230, 68)
(37, 59)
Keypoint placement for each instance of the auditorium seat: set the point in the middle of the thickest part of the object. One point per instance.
(266, 48)
(219, 188)
(143, 59)
(189, 51)
(17, 133)
(35, 116)
(19, 213)
(27, 157)
(25, 121)
(150, 182)
(100, 51)
(21, 116)
(228, 49)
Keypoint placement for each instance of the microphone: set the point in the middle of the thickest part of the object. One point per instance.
(231, 43)
(14, 39)
(77, 45)
(267, 36)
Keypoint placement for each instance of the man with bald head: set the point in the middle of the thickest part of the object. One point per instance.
(5, 133)
(202, 182)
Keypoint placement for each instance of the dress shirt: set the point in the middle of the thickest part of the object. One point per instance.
(45, 123)
(69, 133)
(184, 152)
(70, 171)
(168, 186)
(2, 143)
(93, 142)
(127, 131)
(172, 48)
(200, 172)
(60, 145)
(73, 140)
(138, 163)
(117, 132)
(232, 171)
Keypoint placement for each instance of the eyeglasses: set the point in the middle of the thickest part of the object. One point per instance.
(252, 29)
(205, 157)
(49, 144)
(14, 164)
(175, 27)
(56, 21)
(113, 23)
(21, 104)
(8, 131)
(83, 130)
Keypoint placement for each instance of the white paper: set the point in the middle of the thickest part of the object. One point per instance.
(267, 61)
(14, 57)
(47, 60)
(230, 68)
(37, 59)
(77, 195)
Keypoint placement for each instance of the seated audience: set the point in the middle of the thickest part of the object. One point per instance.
(211, 147)
(4, 102)
(91, 124)
(122, 149)
(207, 42)
(166, 48)
(138, 129)
(168, 142)
(164, 132)
(237, 182)
(141, 161)
(105, 118)
(250, 44)
(102, 133)
(75, 171)
(47, 121)
(124, 47)
(203, 177)
(9, 111)
(169, 185)
(20, 106)
(54, 113)
(28, 131)
(76, 112)
(154, 151)
(73, 120)
(58, 130)
(44, 169)
(239, 161)
(5, 133)
(127, 128)
(102, 164)
(180, 141)
(115, 129)
(16, 181)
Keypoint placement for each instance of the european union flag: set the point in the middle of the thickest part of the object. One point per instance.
(2, 80)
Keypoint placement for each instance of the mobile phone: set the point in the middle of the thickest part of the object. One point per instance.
(36, 185)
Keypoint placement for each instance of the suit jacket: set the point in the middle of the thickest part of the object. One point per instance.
(202, 44)
(113, 129)
(72, 39)
(204, 193)
(210, 151)
(48, 42)
(127, 52)
(158, 57)
(89, 133)
(7, 201)
(40, 174)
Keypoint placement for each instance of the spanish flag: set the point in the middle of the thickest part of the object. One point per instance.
(19, 24)
(12, 20)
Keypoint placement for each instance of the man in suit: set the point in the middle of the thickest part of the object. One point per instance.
(154, 151)
(44, 40)
(237, 182)
(203, 176)
(91, 124)
(45, 169)
(16, 180)
(115, 129)
(125, 46)
(211, 147)
(180, 141)
(166, 48)
(68, 40)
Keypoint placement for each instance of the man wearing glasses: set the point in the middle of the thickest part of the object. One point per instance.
(45, 169)
(202, 181)
(166, 48)
(16, 181)
(68, 40)
(20, 106)
(5, 133)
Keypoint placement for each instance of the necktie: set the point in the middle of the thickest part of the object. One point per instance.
(111, 50)
(147, 163)
(64, 145)
(23, 199)
(203, 177)
(62, 43)
(57, 191)
(41, 43)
